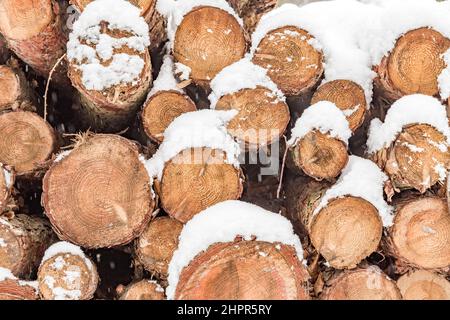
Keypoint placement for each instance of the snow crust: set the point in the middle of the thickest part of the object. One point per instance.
(66, 247)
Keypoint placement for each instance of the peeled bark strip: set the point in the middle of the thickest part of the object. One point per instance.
(420, 234)
(13, 289)
(347, 96)
(67, 276)
(251, 11)
(161, 109)
(415, 158)
(23, 240)
(344, 232)
(196, 179)
(291, 62)
(33, 29)
(262, 117)
(26, 142)
(99, 195)
(14, 90)
(207, 40)
(319, 155)
(155, 247)
(424, 285)
(414, 64)
(143, 290)
(244, 270)
(362, 284)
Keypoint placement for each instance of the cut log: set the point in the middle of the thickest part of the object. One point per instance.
(161, 109)
(66, 274)
(99, 195)
(34, 30)
(4, 52)
(347, 96)
(23, 240)
(255, 270)
(262, 118)
(424, 285)
(251, 11)
(112, 84)
(291, 61)
(14, 90)
(319, 155)
(155, 247)
(362, 284)
(420, 234)
(414, 64)
(12, 288)
(142, 290)
(207, 40)
(26, 142)
(196, 179)
(416, 158)
(345, 231)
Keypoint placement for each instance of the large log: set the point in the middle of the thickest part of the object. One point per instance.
(424, 285)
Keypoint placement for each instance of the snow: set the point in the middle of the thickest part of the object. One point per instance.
(250, 76)
(60, 156)
(6, 274)
(444, 77)
(175, 10)
(361, 178)
(412, 109)
(221, 223)
(166, 79)
(123, 68)
(2, 243)
(203, 128)
(8, 178)
(63, 247)
(325, 117)
(157, 285)
(183, 71)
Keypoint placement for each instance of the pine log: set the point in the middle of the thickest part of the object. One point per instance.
(424, 285)
(15, 93)
(207, 40)
(291, 61)
(34, 31)
(251, 11)
(196, 179)
(23, 240)
(99, 195)
(241, 270)
(156, 245)
(14, 289)
(142, 290)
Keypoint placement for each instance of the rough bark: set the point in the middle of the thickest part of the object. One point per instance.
(251, 11)
(15, 93)
(142, 290)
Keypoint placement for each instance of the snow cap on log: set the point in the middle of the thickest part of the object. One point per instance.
(325, 117)
(361, 178)
(412, 109)
(203, 128)
(222, 223)
(124, 68)
(16, 289)
(166, 78)
(250, 77)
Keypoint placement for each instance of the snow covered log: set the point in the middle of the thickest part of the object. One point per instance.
(412, 145)
(318, 143)
(15, 93)
(419, 237)
(244, 252)
(207, 39)
(251, 11)
(12, 288)
(165, 102)
(263, 114)
(142, 290)
(197, 164)
(27, 142)
(34, 30)
(23, 240)
(361, 284)
(111, 66)
(414, 64)
(155, 20)
(99, 193)
(66, 273)
(345, 221)
(4, 52)
(155, 247)
(424, 285)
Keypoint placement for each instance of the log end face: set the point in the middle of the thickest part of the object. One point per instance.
(424, 285)
(9, 87)
(143, 290)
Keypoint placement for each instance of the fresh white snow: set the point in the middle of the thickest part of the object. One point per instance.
(64, 247)
(6, 274)
(222, 223)
(166, 78)
(325, 117)
(8, 178)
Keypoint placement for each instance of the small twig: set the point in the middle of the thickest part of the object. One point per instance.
(48, 84)
(282, 168)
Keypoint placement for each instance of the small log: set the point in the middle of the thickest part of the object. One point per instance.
(291, 61)
(142, 290)
(251, 11)
(155, 247)
(424, 285)
(15, 93)
(99, 195)
(23, 240)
